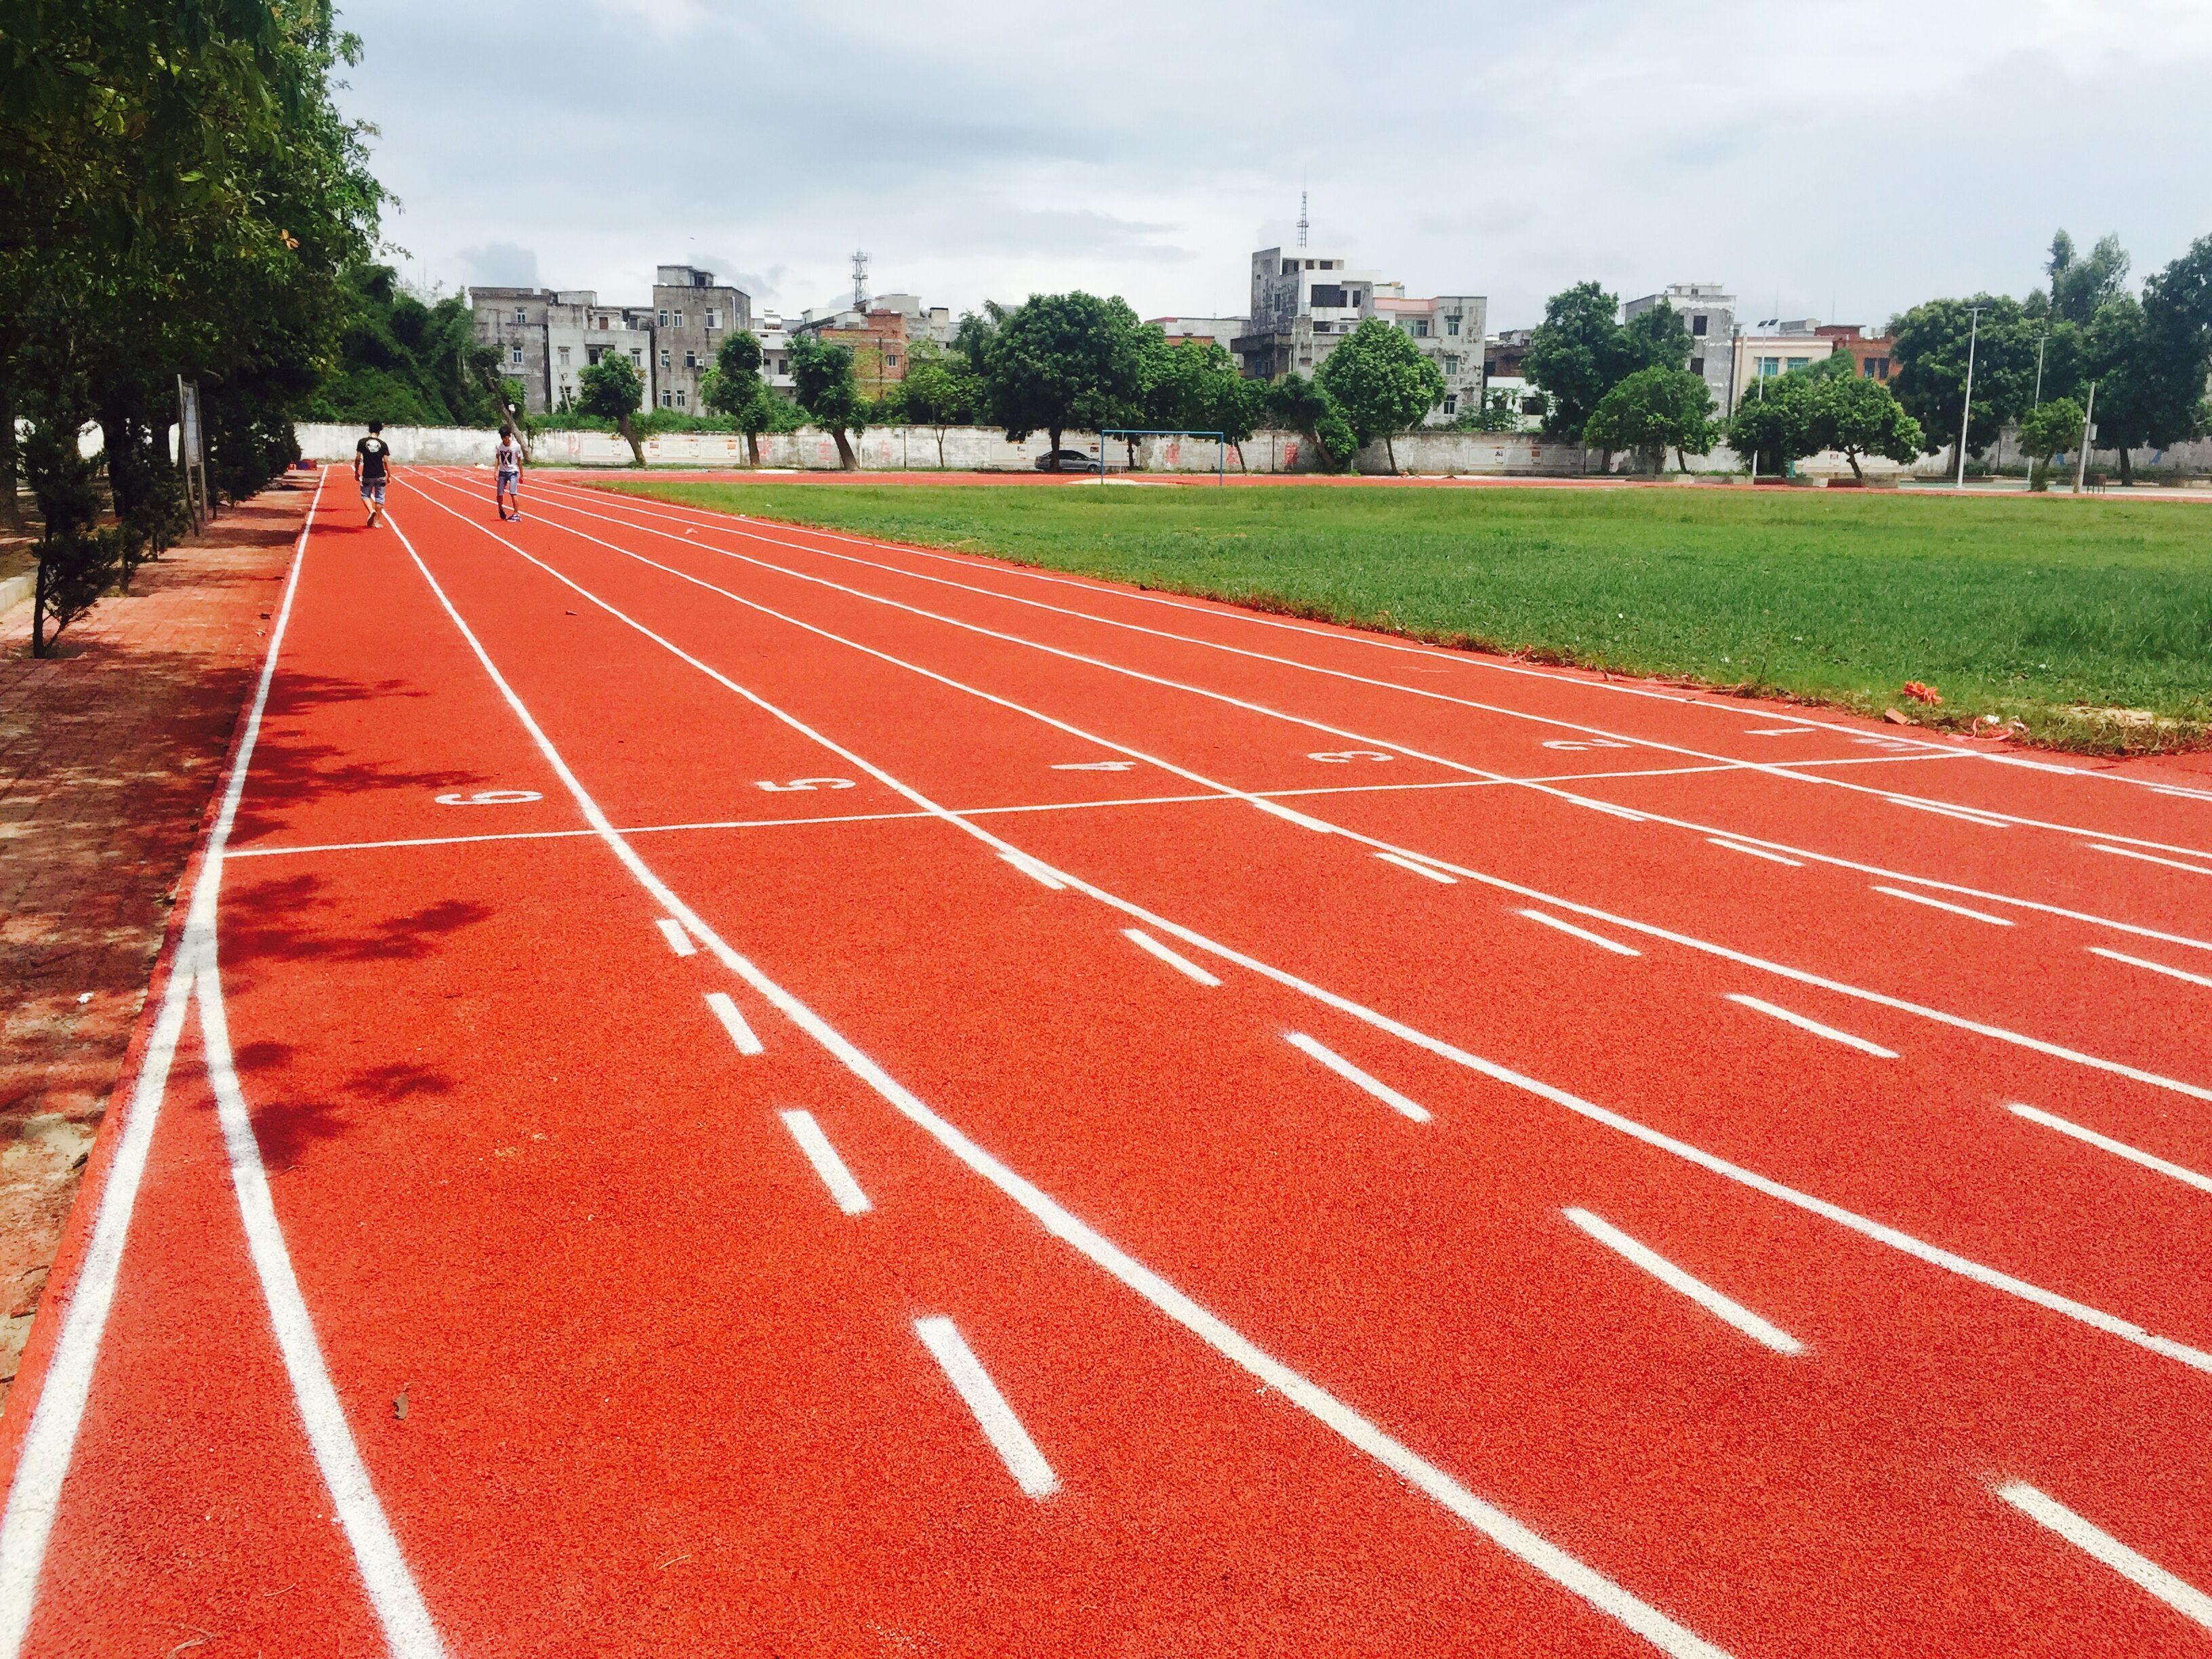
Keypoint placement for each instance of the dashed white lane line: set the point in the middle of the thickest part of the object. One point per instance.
(2153, 967)
(1184, 965)
(1763, 1332)
(1939, 904)
(1584, 934)
(678, 940)
(1984, 819)
(2130, 853)
(827, 1164)
(2140, 1571)
(1036, 872)
(993, 1414)
(1605, 807)
(2117, 1148)
(734, 1023)
(1756, 852)
(1780, 732)
(1814, 1026)
(1351, 1074)
(1417, 868)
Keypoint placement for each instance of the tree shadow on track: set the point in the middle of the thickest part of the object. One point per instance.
(287, 1129)
(286, 919)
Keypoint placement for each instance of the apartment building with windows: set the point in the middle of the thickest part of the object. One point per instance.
(1305, 300)
(692, 315)
(546, 337)
(1709, 310)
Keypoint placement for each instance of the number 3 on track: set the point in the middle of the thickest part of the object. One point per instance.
(1343, 756)
(805, 783)
(490, 798)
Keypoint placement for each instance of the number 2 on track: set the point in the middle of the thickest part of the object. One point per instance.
(490, 798)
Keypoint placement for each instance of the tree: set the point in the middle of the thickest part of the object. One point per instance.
(1381, 383)
(2078, 287)
(611, 391)
(821, 379)
(1773, 424)
(1495, 413)
(2048, 430)
(734, 386)
(940, 389)
(1063, 360)
(1657, 338)
(1932, 346)
(1859, 417)
(1572, 354)
(1297, 402)
(1655, 410)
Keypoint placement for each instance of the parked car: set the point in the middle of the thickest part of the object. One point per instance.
(1066, 460)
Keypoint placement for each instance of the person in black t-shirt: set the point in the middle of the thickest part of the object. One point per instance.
(372, 467)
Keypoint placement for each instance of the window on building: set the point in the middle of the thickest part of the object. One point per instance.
(668, 400)
(520, 315)
(1451, 363)
(690, 360)
(637, 355)
(664, 320)
(680, 395)
(515, 355)
(604, 321)
(564, 356)
(1289, 266)
(1532, 406)
(890, 360)
(679, 320)
(1801, 362)
(592, 353)
(1877, 369)
(665, 356)
(714, 317)
(1451, 324)
(1420, 328)
(1769, 366)
(1697, 365)
(1451, 404)
(1698, 325)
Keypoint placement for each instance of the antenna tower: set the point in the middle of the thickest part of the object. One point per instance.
(1302, 226)
(860, 280)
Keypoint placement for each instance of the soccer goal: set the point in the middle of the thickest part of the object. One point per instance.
(1128, 433)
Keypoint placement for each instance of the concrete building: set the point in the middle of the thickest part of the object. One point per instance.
(693, 314)
(1775, 347)
(1709, 310)
(878, 338)
(545, 337)
(1223, 331)
(1305, 300)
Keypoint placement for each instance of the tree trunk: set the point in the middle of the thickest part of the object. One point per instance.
(630, 438)
(1240, 467)
(39, 647)
(752, 448)
(1852, 456)
(845, 459)
(940, 449)
(1391, 449)
(1052, 433)
(11, 509)
(2127, 470)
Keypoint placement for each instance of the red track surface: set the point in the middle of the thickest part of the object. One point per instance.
(1305, 1349)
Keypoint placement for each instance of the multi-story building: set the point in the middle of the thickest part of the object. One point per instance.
(1775, 347)
(546, 337)
(878, 338)
(1872, 355)
(1305, 300)
(1709, 310)
(1223, 331)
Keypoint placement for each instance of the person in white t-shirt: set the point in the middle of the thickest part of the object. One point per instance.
(507, 468)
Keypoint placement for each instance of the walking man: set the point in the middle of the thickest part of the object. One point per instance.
(372, 467)
(506, 461)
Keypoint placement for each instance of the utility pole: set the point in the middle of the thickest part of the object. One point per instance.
(2081, 460)
(1973, 329)
(860, 280)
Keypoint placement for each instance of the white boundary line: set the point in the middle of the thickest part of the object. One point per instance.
(2117, 1148)
(2139, 1570)
(1417, 868)
(1358, 1078)
(1494, 1523)
(1182, 964)
(2170, 864)
(734, 1023)
(34, 1497)
(1755, 852)
(1776, 1011)
(2153, 967)
(1866, 1227)
(1584, 934)
(846, 1191)
(678, 940)
(1761, 1331)
(1777, 768)
(1998, 1033)
(993, 1414)
(1939, 904)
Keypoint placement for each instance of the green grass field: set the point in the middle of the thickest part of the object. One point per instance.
(2065, 615)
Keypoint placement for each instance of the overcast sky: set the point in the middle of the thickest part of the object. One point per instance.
(1842, 160)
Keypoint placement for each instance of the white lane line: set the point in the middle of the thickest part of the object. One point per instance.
(750, 531)
(678, 940)
(1814, 1026)
(1756, 853)
(1034, 871)
(1417, 868)
(993, 1414)
(1351, 1074)
(2130, 853)
(1184, 965)
(1584, 933)
(1987, 823)
(1780, 732)
(1760, 1331)
(1938, 904)
(1605, 807)
(1904, 1243)
(734, 1023)
(1571, 1573)
(1285, 812)
(827, 1164)
(2139, 1570)
(2117, 1148)
(2155, 967)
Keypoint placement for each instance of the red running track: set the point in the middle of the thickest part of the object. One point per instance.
(725, 1088)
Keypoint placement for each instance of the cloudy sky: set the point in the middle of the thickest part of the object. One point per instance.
(1843, 161)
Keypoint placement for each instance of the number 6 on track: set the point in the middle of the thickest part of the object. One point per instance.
(805, 783)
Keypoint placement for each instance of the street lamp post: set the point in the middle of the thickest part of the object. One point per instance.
(1973, 330)
(2081, 460)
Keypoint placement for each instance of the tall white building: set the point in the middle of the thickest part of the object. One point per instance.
(1709, 310)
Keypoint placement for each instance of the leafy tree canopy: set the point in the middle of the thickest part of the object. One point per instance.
(1653, 410)
(1932, 344)
(822, 382)
(1380, 382)
(1064, 360)
(1581, 351)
